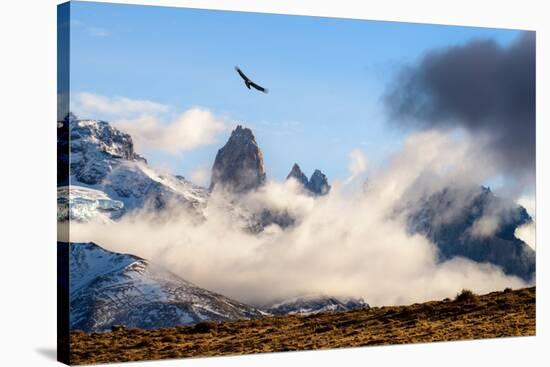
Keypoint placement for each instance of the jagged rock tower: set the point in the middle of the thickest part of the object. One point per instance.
(317, 184)
(297, 174)
(239, 164)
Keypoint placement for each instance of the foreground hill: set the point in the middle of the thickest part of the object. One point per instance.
(498, 314)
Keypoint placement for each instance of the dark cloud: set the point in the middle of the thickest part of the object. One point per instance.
(485, 88)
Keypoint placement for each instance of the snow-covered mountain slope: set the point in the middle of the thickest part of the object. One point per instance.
(315, 304)
(84, 205)
(108, 288)
(103, 158)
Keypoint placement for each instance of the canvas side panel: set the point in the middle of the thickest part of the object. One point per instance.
(63, 92)
(63, 345)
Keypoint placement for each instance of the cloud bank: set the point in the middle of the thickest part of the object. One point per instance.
(347, 243)
(486, 89)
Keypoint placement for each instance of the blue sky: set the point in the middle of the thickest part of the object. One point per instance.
(325, 76)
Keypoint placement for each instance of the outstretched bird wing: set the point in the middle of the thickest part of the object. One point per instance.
(258, 87)
(242, 74)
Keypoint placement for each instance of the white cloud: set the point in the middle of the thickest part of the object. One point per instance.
(96, 106)
(200, 176)
(188, 131)
(347, 243)
(152, 125)
(529, 203)
(485, 226)
(527, 233)
(358, 163)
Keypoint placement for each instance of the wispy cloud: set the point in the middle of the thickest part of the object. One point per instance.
(358, 162)
(92, 105)
(152, 125)
(191, 129)
(200, 176)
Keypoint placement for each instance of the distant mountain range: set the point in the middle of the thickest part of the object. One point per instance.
(313, 304)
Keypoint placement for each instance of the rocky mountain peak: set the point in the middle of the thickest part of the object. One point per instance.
(95, 147)
(317, 184)
(451, 219)
(297, 174)
(239, 164)
(242, 133)
(102, 137)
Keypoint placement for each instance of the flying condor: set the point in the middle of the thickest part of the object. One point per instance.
(249, 83)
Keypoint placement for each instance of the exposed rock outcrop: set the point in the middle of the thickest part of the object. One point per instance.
(477, 225)
(109, 288)
(297, 174)
(103, 158)
(239, 164)
(317, 184)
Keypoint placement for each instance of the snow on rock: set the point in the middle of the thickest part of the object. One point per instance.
(103, 158)
(108, 288)
(308, 305)
(85, 204)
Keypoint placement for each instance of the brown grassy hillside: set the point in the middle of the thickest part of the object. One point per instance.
(498, 314)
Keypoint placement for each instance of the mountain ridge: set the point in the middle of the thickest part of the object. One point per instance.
(109, 288)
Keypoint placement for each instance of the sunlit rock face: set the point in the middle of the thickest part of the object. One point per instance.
(103, 158)
(239, 164)
(94, 145)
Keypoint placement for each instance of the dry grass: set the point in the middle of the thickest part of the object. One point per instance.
(469, 316)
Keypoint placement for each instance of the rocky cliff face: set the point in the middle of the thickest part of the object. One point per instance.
(476, 225)
(317, 184)
(94, 146)
(105, 169)
(239, 164)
